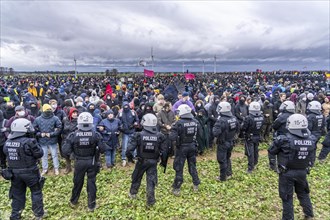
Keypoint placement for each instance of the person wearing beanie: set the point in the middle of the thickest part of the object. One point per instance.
(183, 100)
(109, 128)
(69, 125)
(48, 128)
(20, 112)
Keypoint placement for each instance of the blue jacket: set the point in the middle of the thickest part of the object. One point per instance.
(47, 124)
(111, 131)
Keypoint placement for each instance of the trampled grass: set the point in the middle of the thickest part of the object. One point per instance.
(244, 196)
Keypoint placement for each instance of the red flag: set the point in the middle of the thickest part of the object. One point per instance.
(148, 73)
(189, 76)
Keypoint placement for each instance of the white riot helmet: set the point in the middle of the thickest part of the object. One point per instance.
(20, 127)
(224, 108)
(184, 109)
(297, 124)
(310, 96)
(255, 108)
(85, 121)
(287, 106)
(149, 122)
(314, 107)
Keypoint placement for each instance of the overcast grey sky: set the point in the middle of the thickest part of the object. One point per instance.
(244, 35)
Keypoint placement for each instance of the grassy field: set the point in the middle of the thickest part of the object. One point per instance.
(242, 197)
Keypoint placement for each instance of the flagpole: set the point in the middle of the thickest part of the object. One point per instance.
(152, 58)
(203, 67)
(215, 64)
(182, 67)
(75, 67)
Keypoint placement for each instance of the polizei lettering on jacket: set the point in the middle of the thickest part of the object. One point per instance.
(84, 134)
(303, 142)
(149, 138)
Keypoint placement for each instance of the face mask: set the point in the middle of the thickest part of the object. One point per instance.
(21, 113)
(108, 97)
(304, 99)
(199, 104)
(48, 113)
(33, 106)
(79, 104)
(54, 106)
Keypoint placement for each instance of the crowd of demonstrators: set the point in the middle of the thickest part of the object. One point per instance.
(190, 116)
(118, 105)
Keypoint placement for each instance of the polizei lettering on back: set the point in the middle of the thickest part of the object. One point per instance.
(303, 142)
(149, 138)
(84, 134)
(188, 124)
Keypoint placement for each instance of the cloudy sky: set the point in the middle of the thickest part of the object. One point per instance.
(243, 35)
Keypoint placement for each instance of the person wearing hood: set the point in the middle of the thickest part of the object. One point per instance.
(34, 109)
(203, 135)
(184, 132)
(251, 128)
(141, 110)
(48, 128)
(91, 108)
(295, 151)
(129, 120)
(267, 109)
(94, 97)
(80, 105)
(225, 130)
(109, 129)
(158, 106)
(9, 110)
(3, 139)
(213, 116)
(69, 125)
(301, 104)
(165, 119)
(20, 112)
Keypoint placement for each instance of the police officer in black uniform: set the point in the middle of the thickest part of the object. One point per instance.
(183, 132)
(150, 145)
(86, 144)
(22, 152)
(287, 108)
(295, 154)
(315, 118)
(252, 126)
(225, 129)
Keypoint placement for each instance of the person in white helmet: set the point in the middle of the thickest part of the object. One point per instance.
(251, 128)
(225, 129)
(295, 152)
(150, 145)
(85, 144)
(184, 132)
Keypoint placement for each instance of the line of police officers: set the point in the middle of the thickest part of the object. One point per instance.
(294, 148)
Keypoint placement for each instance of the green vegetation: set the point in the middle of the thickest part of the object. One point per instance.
(242, 197)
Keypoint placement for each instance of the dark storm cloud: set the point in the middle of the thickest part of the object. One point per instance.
(105, 34)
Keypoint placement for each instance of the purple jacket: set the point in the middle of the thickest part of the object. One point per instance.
(180, 102)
